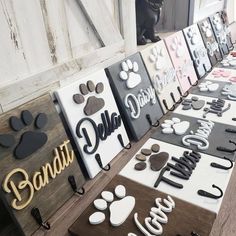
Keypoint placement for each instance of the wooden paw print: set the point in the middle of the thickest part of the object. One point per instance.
(157, 160)
(119, 209)
(192, 36)
(193, 103)
(93, 103)
(206, 28)
(177, 47)
(30, 141)
(158, 58)
(130, 74)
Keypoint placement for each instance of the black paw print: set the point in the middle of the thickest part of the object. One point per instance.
(93, 104)
(30, 141)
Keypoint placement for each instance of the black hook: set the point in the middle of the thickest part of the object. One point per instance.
(190, 82)
(99, 161)
(173, 97)
(166, 106)
(219, 166)
(73, 185)
(224, 149)
(37, 216)
(210, 195)
(119, 136)
(179, 90)
(150, 121)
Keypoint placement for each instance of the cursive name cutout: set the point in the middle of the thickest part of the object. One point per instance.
(62, 159)
(157, 218)
(135, 102)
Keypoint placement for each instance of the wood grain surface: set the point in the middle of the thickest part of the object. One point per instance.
(182, 220)
(49, 198)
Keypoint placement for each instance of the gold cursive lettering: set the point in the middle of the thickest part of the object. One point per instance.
(62, 159)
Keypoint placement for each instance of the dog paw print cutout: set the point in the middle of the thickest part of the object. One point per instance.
(119, 209)
(30, 141)
(192, 36)
(158, 58)
(217, 22)
(129, 73)
(93, 104)
(177, 46)
(206, 28)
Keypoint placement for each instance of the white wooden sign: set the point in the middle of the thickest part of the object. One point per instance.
(94, 120)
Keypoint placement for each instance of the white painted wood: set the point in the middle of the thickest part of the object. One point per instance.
(120, 210)
(203, 177)
(82, 37)
(73, 113)
(100, 19)
(120, 191)
(226, 116)
(108, 196)
(96, 218)
(128, 25)
(200, 9)
(100, 204)
(162, 73)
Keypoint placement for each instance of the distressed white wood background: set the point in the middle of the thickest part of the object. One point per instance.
(48, 43)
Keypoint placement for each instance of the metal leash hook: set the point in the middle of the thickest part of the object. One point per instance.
(150, 121)
(210, 195)
(99, 161)
(37, 216)
(224, 149)
(119, 136)
(190, 82)
(166, 106)
(73, 185)
(219, 166)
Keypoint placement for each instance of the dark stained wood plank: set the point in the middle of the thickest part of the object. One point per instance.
(182, 220)
(51, 197)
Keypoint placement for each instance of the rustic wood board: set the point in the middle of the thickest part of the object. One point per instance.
(49, 198)
(161, 73)
(226, 117)
(139, 125)
(182, 220)
(181, 59)
(75, 114)
(214, 138)
(202, 177)
(197, 48)
(210, 41)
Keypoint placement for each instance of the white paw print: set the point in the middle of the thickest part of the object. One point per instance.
(129, 73)
(208, 86)
(230, 91)
(177, 47)
(157, 56)
(206, 28)
(175, 125)
(217, 22)
(229, 61)
(119, 210)
(192, 36)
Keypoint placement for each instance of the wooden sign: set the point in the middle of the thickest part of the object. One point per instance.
(197, 50)
(162, 74)
(201, 176)
(181, 60)
(36, 161)
(206, 145)
(220, 31)
(135, 95)
(210, 41)
(222, 114)
(94, 120)
(225, 90)
(181, 220)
